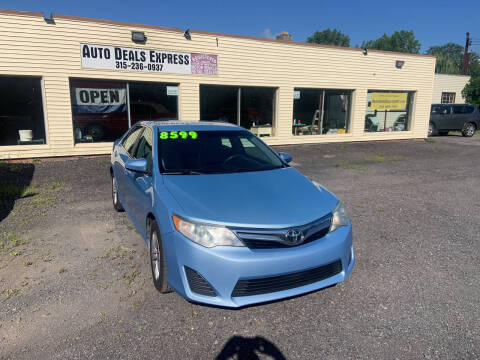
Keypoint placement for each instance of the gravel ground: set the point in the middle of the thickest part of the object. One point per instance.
(75, 277)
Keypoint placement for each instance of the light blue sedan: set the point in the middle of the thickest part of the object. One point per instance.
(228, 222)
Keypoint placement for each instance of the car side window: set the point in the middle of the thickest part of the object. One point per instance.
(463, 109)
(145, 148)
(131, 139)
(438, 109)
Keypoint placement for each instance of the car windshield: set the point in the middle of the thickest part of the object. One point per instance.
(186, 152)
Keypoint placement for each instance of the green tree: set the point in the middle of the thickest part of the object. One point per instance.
(450, 59)
(445, 65)
(329, 37)
(402, 41)
(471, 92)
(448, 54)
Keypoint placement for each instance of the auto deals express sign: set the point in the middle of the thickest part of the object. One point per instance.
(122, 58)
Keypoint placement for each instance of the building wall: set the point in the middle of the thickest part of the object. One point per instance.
(33, 47)
(449, 83)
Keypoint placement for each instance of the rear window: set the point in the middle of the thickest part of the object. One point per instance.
(463, 109)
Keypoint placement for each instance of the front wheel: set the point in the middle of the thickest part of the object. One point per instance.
(157, 260)
(468, 130)
(431, 129)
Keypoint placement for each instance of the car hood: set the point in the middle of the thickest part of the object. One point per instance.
(264, 199)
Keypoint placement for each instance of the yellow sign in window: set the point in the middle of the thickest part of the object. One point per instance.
(388, 101)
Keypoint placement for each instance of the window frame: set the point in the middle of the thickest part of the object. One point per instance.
(409, 109)
(348, 111)
(137, 144)
(126, 82)
(238, 104)
(130, 132)
(448, 95)
(46, 144)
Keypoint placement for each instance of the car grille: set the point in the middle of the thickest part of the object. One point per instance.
(198, 284)
(262, 244)
(275, 238)
(284, 282)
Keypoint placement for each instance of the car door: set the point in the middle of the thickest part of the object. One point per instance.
(458, 117)
(140, 190)
(123, 153)
(439, 116)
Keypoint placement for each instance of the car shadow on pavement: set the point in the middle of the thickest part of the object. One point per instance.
(15, 179)
(242, 348)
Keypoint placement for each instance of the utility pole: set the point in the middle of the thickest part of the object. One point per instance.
(466, 57)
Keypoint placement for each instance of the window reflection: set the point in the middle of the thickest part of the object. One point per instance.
(318, 111)
(388, 111)
(250, 107)
(100, 108)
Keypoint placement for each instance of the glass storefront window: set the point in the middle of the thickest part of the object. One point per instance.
(250, 107)
(319, 111)
(103, 110)
(388, 110)
(152, 101)
(21, 111)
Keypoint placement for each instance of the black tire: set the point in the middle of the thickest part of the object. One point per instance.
(117, 205)
(432, 131)
(96, 131)
(443, 133)
(468, 129)
(157, 260)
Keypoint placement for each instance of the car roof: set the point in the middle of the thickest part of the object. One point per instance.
(453, 104)
(170, 125)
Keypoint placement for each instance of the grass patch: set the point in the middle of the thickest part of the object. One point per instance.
(130, 277)
(429, 140)
(141, 328)
(118, 252)
(7, 294)
(351, 166)
(382, 158)
(15, 253)
(17, 191)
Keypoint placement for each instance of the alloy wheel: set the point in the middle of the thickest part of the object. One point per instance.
(470, 130)
(114, 190)
(155, 256)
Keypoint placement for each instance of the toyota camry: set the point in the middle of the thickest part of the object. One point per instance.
(227, 220)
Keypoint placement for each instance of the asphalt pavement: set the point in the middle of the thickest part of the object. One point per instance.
(76, 283)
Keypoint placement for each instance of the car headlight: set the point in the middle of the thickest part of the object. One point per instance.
(206, 235)
(340, 217)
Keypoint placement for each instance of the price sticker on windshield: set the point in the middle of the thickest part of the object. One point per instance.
(178, 135)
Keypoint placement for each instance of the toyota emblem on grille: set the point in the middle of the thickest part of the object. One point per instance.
(294, 237)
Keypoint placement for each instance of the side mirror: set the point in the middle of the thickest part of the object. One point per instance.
(285, 157)
(137, 165)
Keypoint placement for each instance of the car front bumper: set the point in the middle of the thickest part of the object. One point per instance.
(223, 266)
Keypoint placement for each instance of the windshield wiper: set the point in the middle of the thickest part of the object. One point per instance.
(183, 172)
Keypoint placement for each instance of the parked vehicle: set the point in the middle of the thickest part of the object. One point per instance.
(228, 222)
(106, 126)
(451, 117)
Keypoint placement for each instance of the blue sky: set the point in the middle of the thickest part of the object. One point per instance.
(433, 22)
